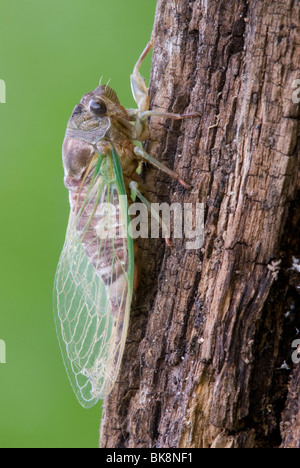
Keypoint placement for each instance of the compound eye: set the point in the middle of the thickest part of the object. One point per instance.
(97, 106)
(77, 110)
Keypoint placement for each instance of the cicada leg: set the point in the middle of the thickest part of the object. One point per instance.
(138, 151)
(168, 115)
(136, 193)
(141, 97)
(138, 85)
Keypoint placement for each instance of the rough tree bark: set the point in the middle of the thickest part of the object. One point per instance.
(208, 361)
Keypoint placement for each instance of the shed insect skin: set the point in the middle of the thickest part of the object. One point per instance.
(96, 275)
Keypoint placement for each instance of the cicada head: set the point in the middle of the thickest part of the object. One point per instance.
(89, 124)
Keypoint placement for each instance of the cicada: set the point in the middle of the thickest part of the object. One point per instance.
(95, 278)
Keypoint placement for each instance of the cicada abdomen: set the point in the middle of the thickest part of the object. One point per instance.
(101, 229)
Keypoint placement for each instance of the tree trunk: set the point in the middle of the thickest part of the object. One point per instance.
(208, 357)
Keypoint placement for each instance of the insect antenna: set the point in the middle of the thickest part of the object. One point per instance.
(107, 84)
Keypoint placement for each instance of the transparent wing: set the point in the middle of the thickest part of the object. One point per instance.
(93, 289)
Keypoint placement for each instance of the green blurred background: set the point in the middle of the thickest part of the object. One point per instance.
(52, 52)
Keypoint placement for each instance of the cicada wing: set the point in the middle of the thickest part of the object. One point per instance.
(93, 291)
(80, 320)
